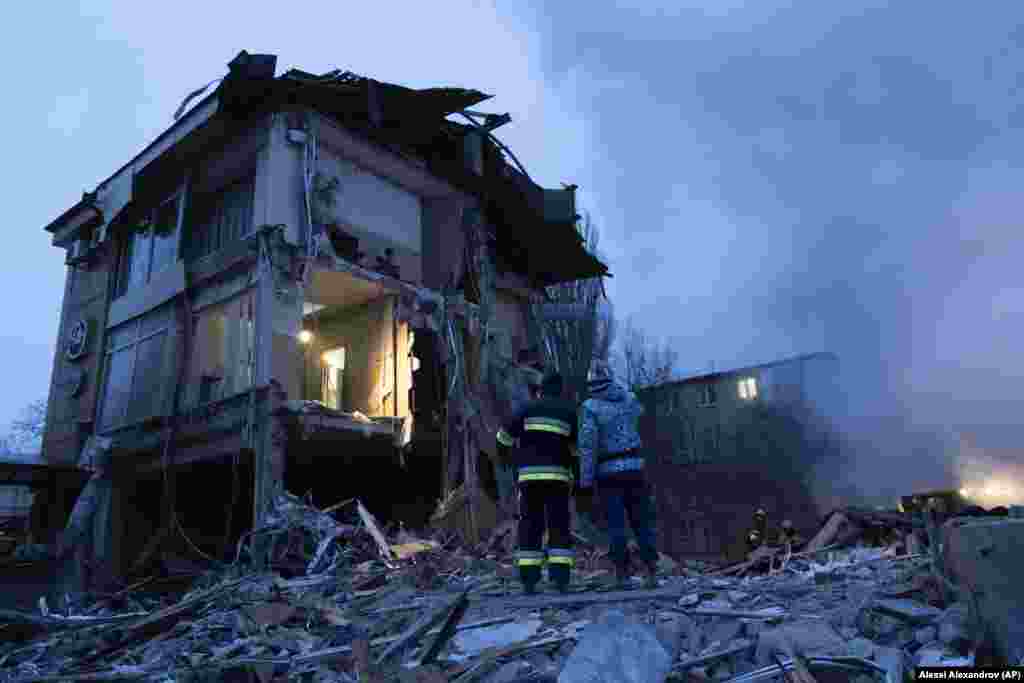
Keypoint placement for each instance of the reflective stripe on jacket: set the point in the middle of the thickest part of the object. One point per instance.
(539, 440)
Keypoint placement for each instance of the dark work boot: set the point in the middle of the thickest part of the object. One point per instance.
(621, 578)
(651, 577)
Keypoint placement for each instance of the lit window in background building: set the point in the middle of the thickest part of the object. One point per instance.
(748, 388)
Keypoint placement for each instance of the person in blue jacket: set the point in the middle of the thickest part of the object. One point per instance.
(611, 456)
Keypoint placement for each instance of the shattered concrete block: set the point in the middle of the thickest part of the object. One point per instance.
(724, 630)
(893, 660)
(926, 635)
(753, 628)
(985, 556)
(620, 650)
(690, 600)
(670, 633)
(942, 657)
(862, 647)
(953, 625)
(476, 641)
(808, 637)
(509, 672)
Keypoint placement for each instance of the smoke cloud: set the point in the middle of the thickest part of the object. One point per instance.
(808, 176)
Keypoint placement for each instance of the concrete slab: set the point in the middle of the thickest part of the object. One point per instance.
(982, 556)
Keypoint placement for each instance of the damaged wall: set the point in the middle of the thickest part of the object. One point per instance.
(373, 210)
(224, 348)
(366, 333)
(75, 382)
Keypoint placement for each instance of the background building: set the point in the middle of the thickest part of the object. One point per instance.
(723, 444)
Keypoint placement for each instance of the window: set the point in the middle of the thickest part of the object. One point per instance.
(219, 218)
(708, 394)
(135, 381)
(223, 351)
(150, 247)
(748, 388)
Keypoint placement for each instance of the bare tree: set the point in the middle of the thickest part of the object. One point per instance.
(26, 432)
(576, 322)
(644, 360)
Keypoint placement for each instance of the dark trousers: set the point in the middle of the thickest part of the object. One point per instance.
(544, 505)
(628, 494)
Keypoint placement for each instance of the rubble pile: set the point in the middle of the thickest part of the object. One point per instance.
(349, 601)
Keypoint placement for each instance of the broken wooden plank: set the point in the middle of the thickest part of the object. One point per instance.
(447, 630)
(341, 652)
(828, 533)
(909, 610)
(419, 629)
(488, 661)
(767, 613)
(159, 621)
(371, 526)
(15, 617)
(736, 651)
(802, 673)
(592, 598)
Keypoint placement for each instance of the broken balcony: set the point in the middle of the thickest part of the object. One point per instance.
(354, 404)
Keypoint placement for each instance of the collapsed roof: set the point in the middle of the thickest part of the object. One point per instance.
(535, 228)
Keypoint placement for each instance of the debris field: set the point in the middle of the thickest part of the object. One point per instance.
(348, 601)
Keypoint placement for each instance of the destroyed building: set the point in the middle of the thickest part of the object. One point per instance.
(723, 444)
(312, 282)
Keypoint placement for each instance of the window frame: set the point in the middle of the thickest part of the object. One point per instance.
(201, 201)
(136, 342)
(127, 248)
(237, 369)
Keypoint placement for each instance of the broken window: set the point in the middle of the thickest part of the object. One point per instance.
(223, 352)
(708, 395)
(135, 385)
(216, 219)
(748, 388)
(150, 247)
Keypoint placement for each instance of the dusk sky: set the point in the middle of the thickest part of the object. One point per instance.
(770, 178)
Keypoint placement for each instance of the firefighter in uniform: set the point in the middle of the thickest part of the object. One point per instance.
(541, 438)
(788, 535)
(756, 535)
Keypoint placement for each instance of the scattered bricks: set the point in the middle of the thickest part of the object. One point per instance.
(983, 558)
